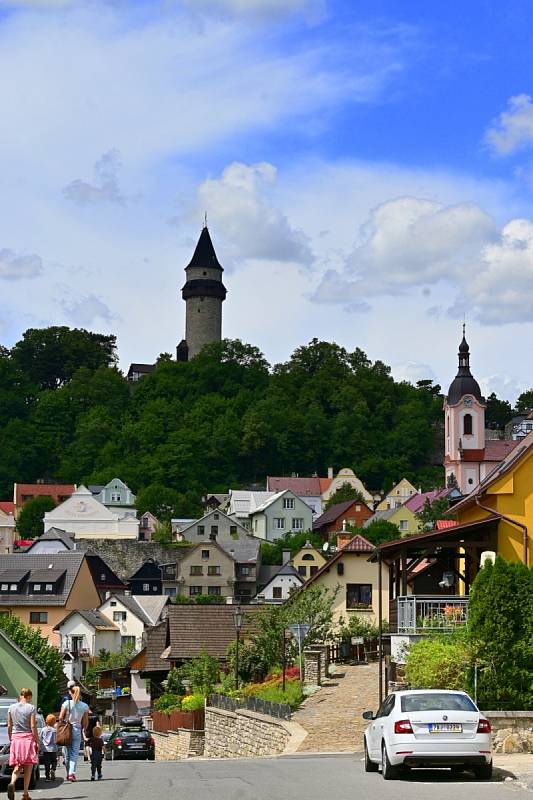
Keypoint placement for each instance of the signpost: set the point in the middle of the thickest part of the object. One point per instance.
(299, 631)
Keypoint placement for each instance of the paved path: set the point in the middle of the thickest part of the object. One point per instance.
(287, 778)
(332, 716)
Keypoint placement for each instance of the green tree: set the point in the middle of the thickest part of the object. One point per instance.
(345, 492)
(524, 404)
(379, 531)
(45, 655)
(202, 673)
(439, 662)
(498, 412)
(51, 356)
(272, 552)
(30, 519)
(432, 511)
(163, 534)
(163, 502)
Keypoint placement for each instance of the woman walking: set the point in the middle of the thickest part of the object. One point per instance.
(24, 738)
(75, 711)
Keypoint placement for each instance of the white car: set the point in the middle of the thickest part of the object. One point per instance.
(428, 728)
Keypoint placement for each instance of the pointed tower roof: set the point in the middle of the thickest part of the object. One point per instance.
(464, 382)
(204, 254)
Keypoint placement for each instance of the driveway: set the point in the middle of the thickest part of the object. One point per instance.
(286, 778)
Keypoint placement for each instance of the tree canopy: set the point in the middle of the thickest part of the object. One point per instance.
(345, 492)
(225, 419)
(30, 519)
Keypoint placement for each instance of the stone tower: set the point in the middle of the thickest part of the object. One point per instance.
(204, 294)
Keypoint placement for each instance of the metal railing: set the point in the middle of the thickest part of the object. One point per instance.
(425, 614)
(278, 710)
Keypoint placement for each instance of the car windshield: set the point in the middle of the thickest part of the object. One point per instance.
(130, 732)
(437, 702)
(3, 715)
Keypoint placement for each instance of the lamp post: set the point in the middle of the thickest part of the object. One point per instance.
(237, 621)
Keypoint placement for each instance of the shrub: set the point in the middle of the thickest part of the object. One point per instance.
(167, 703)
(273, 691)
(193, 702)
(202, 673)
(438, 662)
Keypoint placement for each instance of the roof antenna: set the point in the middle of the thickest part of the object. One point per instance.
(205, 219)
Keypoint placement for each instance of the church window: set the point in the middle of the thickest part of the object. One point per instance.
(467, 424)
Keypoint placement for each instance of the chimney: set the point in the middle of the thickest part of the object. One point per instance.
(286, 556)
(330, 473)
(344, 524)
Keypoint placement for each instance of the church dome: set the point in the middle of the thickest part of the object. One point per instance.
(464, 382)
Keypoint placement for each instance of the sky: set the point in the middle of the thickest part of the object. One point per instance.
(366, 169)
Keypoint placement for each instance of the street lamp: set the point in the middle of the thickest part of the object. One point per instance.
(237, 621)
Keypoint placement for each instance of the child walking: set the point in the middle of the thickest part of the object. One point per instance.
(49, 748)
(96, 745)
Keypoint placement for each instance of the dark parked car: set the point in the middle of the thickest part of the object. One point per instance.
(130, 740)
(5, 769)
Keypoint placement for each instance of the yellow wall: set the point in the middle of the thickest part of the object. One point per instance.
(399, 493)
(404, 513)
(357, 569)
(317, 561)
(511, 495)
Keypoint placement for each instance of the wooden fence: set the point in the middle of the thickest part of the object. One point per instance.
(191, 720)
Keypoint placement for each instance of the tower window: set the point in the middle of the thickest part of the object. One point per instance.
(467, 424)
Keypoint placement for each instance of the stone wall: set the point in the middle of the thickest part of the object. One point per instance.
(182, 743)
(512, 731)
(243, 733)
(312, 668)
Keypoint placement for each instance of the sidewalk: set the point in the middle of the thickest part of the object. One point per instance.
(519, 765)
(332, 716)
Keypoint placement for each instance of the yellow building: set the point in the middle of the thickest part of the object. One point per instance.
(357, 580)
(308, 561)
(397, 495)
(505, 500)
(401, 516)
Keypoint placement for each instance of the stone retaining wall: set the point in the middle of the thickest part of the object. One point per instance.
(243, 733)
(182, 743)
(512, 731)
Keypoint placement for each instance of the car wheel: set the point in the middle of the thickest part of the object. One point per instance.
(389, 772)
(370, 766)
(484, 772)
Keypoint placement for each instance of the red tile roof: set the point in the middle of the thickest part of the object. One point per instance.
(302, 487)
(498, 449)
(325, 483)
(7, 507)
(334, 512)
(358, 545)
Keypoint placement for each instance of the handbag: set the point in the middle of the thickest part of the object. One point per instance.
(64, 731)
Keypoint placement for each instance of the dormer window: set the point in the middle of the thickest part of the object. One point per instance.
(36, 588)
(115, 497)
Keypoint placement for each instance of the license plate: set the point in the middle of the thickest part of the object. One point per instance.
(137, 746)
(445, 727)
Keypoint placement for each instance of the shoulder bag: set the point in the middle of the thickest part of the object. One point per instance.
(64, 730)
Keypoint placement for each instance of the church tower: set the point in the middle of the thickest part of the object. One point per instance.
(464, 419)
(204, 294)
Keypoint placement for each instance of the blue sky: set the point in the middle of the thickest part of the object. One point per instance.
(366, 168)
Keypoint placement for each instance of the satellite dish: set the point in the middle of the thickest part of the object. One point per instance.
(325, 547)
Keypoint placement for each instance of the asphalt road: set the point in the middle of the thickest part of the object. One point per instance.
(290, 778)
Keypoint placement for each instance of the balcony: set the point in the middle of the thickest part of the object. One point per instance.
(423, 614)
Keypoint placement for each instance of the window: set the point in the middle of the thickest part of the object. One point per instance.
(288, 502)
(36, 588)
(154, 588)
(358, 508)
(196, 570)
(216, 516)
(245, 571)
(49, 587)
(233, 530)
(386, 706)
(279, 523)
(195, 590)
(200, 530)
(276, 592)
(255, 524)
(313, 570)
(170, 591)
(4, 587)
(146, 587)
(297, 523)
(119, 616)
(38, 617)
(437, 702)
(467, 424)
(308, 557)
(302, 571)
(102, 576)
(113, 603)
(205, 554)
(213, 571)
(358, 595)
(115, 497)
(127, 641)
(404, 524)
(340, 568)
(214, 530)
(13, 587)
(214, 590)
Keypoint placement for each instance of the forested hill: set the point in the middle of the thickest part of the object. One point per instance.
(226, 419)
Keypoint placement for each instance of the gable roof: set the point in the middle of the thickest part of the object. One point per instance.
(146, 567)
(387, 514)
(303, 487)
(285, 569)
(194, 628)
(21, 652)
(152, 606)
(357, 545)
(103, 576)
(245, 501)
(7, 507)
(81, 498)
(156, 643)
(499, 449)
(335, 511)
(267, 503)
(130, 602)
(70, 563)
(93, 617)
(136, 367)
(417, 501)
(54, 535)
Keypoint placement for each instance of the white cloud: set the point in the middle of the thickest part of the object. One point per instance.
(14, 267)
(513, 130)
(413, 371)
(239, 205)
(105, 188)
(261, 8)
(86, 310)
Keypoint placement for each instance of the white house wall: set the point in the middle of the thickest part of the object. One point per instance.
(132, 626)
